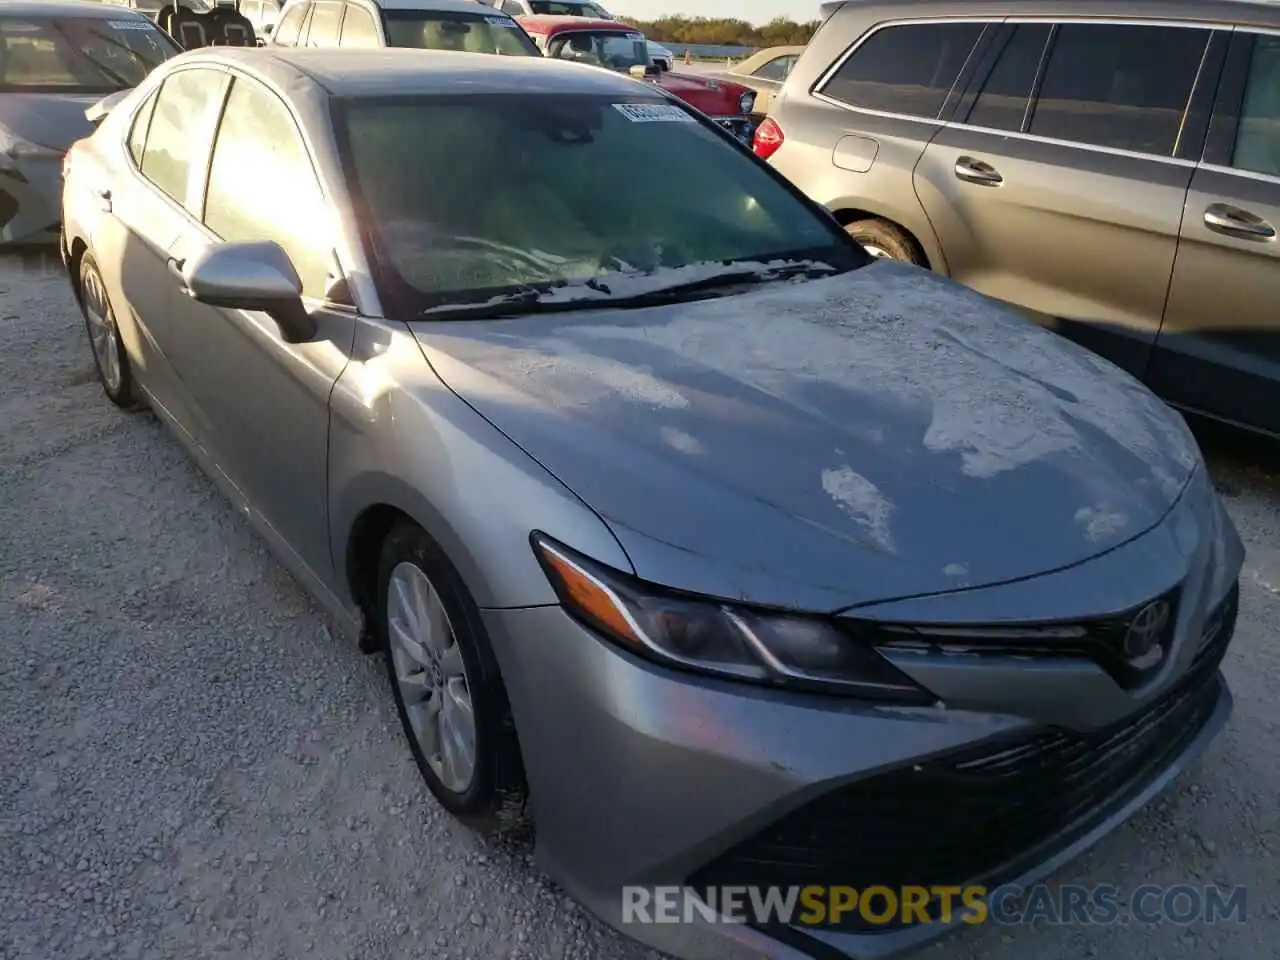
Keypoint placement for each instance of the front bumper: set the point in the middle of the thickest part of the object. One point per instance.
(644, 777)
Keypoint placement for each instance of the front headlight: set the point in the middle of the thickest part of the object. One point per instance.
(746, 102)
(713, 636)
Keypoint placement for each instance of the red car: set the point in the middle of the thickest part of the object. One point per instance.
(617, 46)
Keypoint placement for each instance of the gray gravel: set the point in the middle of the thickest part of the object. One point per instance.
(192, 766)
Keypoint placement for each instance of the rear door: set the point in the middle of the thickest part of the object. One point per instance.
(150, 210)
(359, 29)
(326, 24)
(1219, 348)
(1058, 186)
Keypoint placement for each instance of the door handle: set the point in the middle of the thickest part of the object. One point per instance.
(1234, 222)
(104, 200)
(175, 268)
(978, 171)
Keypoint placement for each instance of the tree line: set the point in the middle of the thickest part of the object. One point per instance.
(778, 32)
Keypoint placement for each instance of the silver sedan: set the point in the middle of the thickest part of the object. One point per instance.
(751, 560)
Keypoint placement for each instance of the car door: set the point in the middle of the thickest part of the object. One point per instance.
(1219, 347)
(767, 80)
(267, 400)
(1058, 187)
(326, 24)
(289, 30)
(359, 29)
(149, 208)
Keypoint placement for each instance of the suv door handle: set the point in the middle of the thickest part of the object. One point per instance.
(978, 171)
(1234, 222)
(104, 200)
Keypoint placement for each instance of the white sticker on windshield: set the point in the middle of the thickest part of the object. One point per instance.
(501, 22)
(635, 36)
(130, 24)
(653, 113)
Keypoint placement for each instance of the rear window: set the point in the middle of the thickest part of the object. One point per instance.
(567, 8)
(906, 69)
(465, 32)
(491, 193)
(79, 54)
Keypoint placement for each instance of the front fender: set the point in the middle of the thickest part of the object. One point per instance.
(400, 438)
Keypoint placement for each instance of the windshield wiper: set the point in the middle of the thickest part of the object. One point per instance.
(598, 293)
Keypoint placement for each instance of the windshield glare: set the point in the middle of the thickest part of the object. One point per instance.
(464, 32)
(614, 49)
(78, 54)
(474, 196)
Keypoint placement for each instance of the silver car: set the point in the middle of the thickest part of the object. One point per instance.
(57, 59)
(749, 559)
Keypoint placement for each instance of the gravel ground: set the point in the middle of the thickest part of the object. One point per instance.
(193, 766)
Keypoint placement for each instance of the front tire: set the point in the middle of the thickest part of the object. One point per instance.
(446, 685)
(109, 355)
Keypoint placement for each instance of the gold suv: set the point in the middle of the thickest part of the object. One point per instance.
(1113, 168)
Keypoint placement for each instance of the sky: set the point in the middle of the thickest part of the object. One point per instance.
(753, 11)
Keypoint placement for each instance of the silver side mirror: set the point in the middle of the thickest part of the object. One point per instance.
(251, 276)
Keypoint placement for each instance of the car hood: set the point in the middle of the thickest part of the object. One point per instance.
(54, 120)
(879, 434)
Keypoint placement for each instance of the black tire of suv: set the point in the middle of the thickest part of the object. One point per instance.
(885, 239)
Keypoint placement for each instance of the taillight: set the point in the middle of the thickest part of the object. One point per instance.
(768, 138)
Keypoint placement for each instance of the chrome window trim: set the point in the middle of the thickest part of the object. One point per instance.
(1208, 26)
(1236, 172)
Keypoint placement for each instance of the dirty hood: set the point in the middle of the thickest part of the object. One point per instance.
(54, 120)
(714, 97)
(879, 434)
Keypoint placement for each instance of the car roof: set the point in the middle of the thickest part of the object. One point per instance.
(547, 24)
(1262, 13)
(444, 6)
(391, 71)
(67, 8)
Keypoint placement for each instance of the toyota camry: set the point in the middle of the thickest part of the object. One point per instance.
(732, 556)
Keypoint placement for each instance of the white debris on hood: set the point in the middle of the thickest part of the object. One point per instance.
(679, 440)
(955, 570)
(570, 377)
(1000, 391)
(1100, 523)
(862, 501)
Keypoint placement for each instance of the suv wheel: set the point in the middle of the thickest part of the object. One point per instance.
(880, 238)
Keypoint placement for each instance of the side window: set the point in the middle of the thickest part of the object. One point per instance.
(358, 28)
(258, 143)
(178, 137)
(1118, 86)
(325, 23)
(1002, 105)
(1258, 137)
(907, 69)
(776, 69)
(512, 8)
(138, 132)
(286, 31)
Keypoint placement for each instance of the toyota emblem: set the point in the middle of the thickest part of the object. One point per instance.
(1145, 630)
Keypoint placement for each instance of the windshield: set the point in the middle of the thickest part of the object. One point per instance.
(464, 32)
(78, 54)
(477, 196)
(155, 6)
(568, 8)
(615, 49)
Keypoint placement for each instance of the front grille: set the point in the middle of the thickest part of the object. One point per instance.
(1099, 640)
(740, 127)
(981, 816)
